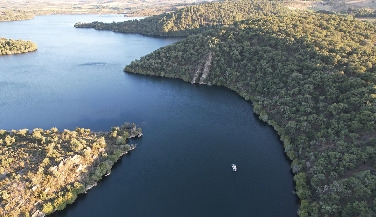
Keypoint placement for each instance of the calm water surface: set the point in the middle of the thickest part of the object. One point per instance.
(192, 133)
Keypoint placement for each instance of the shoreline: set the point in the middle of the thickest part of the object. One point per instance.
(45, 170)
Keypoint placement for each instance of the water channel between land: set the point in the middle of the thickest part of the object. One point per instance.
(192, 133)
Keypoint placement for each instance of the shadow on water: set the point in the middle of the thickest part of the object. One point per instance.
(82, 197)
(93, 64)
(177, 153)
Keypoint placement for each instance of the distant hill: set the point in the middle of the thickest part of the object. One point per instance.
(338, 6)
(126, 7)
(10, 15)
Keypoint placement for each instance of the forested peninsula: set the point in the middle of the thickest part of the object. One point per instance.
(311, 76)
(10, 46)
(42, 171)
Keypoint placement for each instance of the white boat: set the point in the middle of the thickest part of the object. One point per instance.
(233, 167)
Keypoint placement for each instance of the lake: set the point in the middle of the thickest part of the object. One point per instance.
(192, 133)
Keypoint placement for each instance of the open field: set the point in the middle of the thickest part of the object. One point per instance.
(127, 7)
(20, 9)
(334, 6)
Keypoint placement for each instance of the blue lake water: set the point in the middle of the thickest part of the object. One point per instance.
(192, 133)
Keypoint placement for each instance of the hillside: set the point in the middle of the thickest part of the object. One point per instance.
(192, 19)
(312, 77)
(197, 18)
(42, 171)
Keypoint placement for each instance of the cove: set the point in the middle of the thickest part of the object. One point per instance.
(192, 133)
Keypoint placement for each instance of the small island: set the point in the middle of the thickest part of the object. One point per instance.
(10, 46)
(42, 171)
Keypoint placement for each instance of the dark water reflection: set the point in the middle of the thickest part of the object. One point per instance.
(192, 133)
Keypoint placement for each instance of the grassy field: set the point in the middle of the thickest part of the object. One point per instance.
(13, 8)
(127, 7)
(335, 5)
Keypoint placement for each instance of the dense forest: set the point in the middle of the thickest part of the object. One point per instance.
(311, 76)
(10, 46)
(42, 171)
(192, 19)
